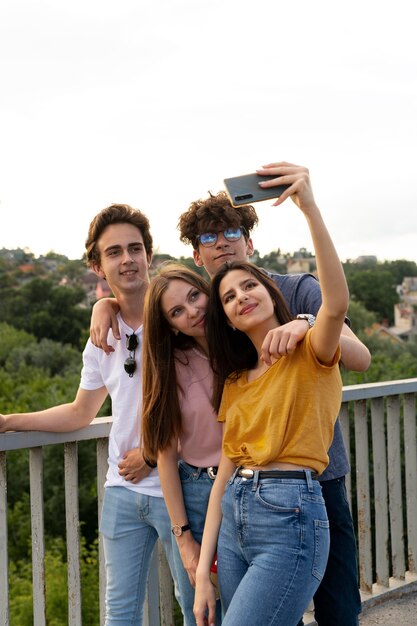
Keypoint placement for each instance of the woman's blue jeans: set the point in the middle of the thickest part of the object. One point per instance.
(196, 488)
(272, 549)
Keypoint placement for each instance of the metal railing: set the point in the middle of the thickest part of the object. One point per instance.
(379, 427)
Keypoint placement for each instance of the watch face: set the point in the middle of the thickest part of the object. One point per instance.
(177, 531)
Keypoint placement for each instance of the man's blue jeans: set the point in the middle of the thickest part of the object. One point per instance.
(130, 525)
(272, 549)
(337, 601)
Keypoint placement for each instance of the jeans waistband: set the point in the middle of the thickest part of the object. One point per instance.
(211, 471)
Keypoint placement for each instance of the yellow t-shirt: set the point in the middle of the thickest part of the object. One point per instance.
(286, 415)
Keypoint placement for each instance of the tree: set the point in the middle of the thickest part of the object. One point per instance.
(45, 310)
(359, 316)
(400, 269)
(376, 290)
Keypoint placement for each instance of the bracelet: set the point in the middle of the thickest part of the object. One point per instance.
(149, 463)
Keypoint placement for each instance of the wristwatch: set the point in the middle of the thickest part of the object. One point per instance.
(177, 530)
(310, 319)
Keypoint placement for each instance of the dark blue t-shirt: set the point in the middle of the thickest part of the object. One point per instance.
(302, 295)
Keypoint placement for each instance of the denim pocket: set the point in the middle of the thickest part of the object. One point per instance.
(321, 547)
(278, 497)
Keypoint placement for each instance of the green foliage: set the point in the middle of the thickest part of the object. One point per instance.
(400, 269)
(189, 262)
(390, 361)
(46, 310)
(19, 528)
(35, 375)
(376, 290)
(20, 593)
(272, 262)
(360, 317)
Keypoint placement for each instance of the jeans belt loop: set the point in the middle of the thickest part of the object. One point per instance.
(255, 480)
(309, 480)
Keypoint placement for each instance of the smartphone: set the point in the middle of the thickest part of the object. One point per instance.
(245, 189)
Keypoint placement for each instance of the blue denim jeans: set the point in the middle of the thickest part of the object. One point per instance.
(130, 525)
(337, 601)
(196, 488)
(272, 549)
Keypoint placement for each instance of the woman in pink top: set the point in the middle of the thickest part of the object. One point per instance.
(179, 425)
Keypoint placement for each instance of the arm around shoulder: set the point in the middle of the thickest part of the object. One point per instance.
(104, 318)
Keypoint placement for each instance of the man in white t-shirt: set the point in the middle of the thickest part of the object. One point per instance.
(119, 249)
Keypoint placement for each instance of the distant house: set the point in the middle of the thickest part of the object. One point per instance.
(26, 268)
(368, 259)
(301, 266)
(383, 332)
(405, 312)
(95, 287)
(102, 289)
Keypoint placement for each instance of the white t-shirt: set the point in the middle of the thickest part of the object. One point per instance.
(102, 370)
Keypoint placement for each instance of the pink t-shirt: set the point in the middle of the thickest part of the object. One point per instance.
(201, 437)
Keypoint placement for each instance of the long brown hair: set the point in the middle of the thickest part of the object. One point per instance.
(161, 416)
(231, 351)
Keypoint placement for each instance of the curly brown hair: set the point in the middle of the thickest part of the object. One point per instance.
(214, 213)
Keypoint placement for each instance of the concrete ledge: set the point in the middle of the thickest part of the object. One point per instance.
(397, 589)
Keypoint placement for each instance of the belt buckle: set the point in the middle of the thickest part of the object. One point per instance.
(246, 473)
(211, 472)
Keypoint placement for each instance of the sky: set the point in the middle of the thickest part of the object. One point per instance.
(154, 103)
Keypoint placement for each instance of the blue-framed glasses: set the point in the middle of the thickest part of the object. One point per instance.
(210, 239)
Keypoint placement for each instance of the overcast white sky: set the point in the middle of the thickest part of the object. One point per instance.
(154, 102)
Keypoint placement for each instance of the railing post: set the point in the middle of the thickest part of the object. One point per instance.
(410, 447)
(4, 568)
(102, 466)
(380, 491)
(73, 533)
(363, 495)
(394, 483)
(345, 426)
(151, 607)
(38, 535)
(166, 595)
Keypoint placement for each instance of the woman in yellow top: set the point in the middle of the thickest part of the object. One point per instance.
(266, 514)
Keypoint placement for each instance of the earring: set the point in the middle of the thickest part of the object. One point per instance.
(175, 331)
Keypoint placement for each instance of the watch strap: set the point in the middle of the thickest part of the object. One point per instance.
(308, 317)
